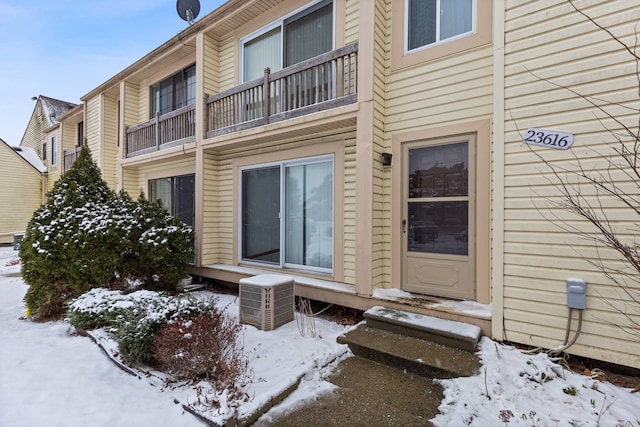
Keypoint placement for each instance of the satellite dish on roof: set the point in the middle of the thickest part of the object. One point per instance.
(188, 10)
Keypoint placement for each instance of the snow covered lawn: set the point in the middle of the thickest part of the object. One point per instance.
(49, 377)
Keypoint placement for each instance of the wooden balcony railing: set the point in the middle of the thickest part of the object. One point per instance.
(326, 81)
(163, 131)
(70, 157)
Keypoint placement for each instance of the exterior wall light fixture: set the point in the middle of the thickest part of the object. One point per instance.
(386, 159)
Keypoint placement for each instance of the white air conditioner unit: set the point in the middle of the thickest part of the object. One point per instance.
(267, 301)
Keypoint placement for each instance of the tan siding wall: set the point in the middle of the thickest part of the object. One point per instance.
(349, 211)
(17, 202)
(211, 61)
(136, 181)
(381, 213)
(94, 128)
(227, 65)
(439, 93)
(144, 102)
(110, 142)
(32, 137)
(216, 210)
(131, 182)
(553, 41)
(352, 9)
(219, 200)
(131, 104)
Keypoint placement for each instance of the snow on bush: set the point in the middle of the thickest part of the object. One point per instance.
(133, 318)
(86, 236)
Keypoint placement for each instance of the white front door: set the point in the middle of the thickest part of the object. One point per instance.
(438, 217)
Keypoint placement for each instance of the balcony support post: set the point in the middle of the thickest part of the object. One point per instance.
(266, 97)
(157, 125)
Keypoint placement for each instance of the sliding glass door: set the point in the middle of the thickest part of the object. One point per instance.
(288, 209)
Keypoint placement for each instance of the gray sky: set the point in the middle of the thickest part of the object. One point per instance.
(65, 48)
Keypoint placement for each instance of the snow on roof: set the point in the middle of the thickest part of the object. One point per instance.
(31, 157)
(54, 108)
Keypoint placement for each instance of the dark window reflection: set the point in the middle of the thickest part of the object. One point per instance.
(439, 171)
(439, 227)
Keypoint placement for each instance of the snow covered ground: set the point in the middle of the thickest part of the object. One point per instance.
(49, 377)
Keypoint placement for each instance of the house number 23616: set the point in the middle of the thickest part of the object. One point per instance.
(548, 138)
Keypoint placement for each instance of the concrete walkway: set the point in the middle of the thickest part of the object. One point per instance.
(369, 394)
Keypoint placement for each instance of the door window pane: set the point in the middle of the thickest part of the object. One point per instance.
(439, 171)
(309, 215)
(439, 227)
(261, 214)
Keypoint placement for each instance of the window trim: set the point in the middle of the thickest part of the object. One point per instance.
(283, 164)
(402, 58)
(310, 7)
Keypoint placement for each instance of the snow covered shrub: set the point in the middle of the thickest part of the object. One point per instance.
(161, 247)
(86, 236)
(207, 346)
(140, 315)
(62, 251)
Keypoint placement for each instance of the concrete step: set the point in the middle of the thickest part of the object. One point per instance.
(422, 345)
(448, 332)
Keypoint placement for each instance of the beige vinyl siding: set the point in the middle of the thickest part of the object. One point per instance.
(131, 182)
(217, 240)
(211, 61)
(435, 94)
(227, 65)
(20, 193)
(552, 41)
(352, 9)
(94, 127)
(143, 102)
(380, 251)
(32, 137)
(132, 104)
(349, 212)
(215, 216)
(110, 141)
(137, 180)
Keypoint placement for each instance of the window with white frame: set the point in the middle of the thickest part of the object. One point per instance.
(54, 150)
(174, 92)
(286, 214)
(429, 22)
(295, 38)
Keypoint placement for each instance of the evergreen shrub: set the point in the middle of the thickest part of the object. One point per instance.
(87, 236)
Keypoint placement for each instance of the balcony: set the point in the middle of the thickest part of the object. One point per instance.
(164, 131)
(321, 83)
(70, 157)
(324, 82)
